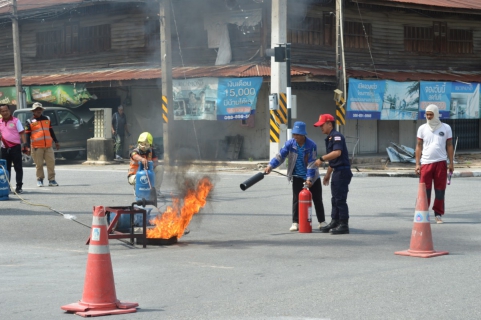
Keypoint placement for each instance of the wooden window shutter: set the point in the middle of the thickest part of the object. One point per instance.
(440, 33)
(329, 29)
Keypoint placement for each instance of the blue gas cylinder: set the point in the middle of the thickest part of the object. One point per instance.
(142, 187)
(4, 186)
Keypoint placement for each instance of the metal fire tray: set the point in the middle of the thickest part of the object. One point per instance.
(157, 241)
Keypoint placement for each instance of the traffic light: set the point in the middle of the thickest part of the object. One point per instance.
(279, 53)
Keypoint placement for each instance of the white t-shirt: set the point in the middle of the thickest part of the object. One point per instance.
(434, 143)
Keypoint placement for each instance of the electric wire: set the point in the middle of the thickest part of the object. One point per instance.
(367, 39)
(182, 61)
(65, 216)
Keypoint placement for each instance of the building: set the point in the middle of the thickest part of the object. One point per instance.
(113, 47)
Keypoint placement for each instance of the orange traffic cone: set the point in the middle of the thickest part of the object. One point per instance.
(99, 297)
(421, 238)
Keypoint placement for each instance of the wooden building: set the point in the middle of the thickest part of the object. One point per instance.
(114, 47)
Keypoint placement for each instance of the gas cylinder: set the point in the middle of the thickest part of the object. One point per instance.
(142, 178)
(305, 210)
(4, 186)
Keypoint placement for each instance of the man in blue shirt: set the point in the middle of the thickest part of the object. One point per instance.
(301, 153)
(339, 163)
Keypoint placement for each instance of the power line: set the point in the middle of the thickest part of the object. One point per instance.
(367, 39)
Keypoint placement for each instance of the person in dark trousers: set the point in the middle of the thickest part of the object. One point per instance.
(301, 153)
(12, 136)
(434, 146)
(119, 128)
(339, 163)
(40, 138)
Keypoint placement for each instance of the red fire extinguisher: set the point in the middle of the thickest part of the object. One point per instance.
(305, 210)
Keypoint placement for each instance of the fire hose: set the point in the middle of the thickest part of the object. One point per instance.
(450, 174)
(65, 215)
(256, 178)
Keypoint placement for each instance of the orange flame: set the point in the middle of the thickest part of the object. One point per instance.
(176, 218)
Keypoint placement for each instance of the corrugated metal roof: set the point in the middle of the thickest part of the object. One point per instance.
(116, 74)
(457, 4)
(36, 4)
(250, 70)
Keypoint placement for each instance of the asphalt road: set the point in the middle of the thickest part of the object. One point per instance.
(239, 260)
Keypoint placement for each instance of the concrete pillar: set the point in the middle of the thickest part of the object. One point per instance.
(278, 69)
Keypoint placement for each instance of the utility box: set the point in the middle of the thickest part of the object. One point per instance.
(273, 103)
(102, 123)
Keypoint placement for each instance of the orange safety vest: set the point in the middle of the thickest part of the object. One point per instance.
(134, 165)
(40, 133)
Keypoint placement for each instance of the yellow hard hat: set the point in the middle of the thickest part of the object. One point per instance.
(146, 137)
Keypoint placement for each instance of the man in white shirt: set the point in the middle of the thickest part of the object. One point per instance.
(434, 146)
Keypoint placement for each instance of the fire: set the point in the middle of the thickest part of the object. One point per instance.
(176, 218)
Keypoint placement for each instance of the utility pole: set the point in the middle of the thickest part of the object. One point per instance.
(17, 58)
(340, 64)
(278, 70)
(166, 69)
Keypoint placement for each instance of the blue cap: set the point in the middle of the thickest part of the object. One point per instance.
(299, 128)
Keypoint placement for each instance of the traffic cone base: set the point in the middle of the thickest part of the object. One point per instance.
(88, 310)
(421, 238)
(421, 254)
(99, 298)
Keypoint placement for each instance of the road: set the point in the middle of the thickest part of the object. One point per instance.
(239, 260)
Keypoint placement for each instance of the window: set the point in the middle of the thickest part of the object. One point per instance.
(440, 33)
(418, 39)
(66, 117)
(94, 38)
(306, 30)
(438, 39)
(50, 43)
(329, 29)
(354, 33)
(460, 41)
(357, 35)
(73, 39)
(51, 115)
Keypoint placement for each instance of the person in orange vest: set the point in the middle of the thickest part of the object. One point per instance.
(145, 152)
(40, 137)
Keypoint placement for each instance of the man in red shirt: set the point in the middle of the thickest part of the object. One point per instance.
(12, 136)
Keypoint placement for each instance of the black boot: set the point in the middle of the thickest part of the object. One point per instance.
(342, 228)
(333, 224)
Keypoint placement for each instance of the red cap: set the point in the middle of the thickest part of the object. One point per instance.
(323, 118)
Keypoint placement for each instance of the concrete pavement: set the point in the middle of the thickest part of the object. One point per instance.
(466, 165)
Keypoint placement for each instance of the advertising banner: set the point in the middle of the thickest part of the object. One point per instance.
(62, 95)
(215, 98)
(401, 101)
(465, 101)
(365, 99)
(8, 95)
(438, 93)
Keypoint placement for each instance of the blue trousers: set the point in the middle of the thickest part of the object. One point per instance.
(339, 188)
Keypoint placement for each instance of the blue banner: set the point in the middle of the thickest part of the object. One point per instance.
(465, 101)
(391, 100)
(215, 98)
(365, 99)
(438, 93)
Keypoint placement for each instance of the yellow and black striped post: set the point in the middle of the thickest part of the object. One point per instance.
(165, 109)
(340, 112)
(278, 117)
